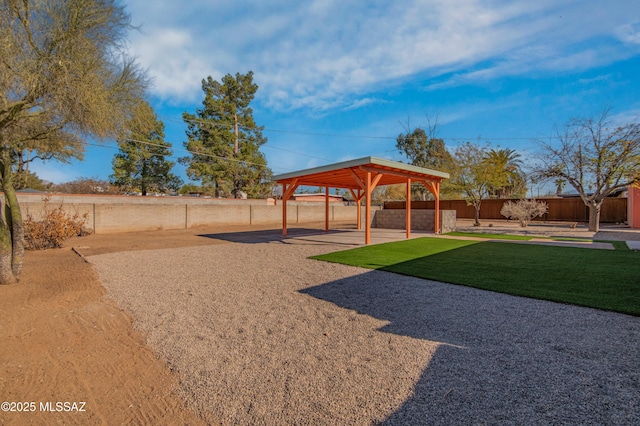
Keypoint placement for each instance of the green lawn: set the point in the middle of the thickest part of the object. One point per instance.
(603, 279)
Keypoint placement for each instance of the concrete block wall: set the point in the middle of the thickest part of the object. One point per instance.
(307, 213)
(448, 220)
(267, 215)
(420, 219)
(111, 218)
(112, 214)
(202, 214)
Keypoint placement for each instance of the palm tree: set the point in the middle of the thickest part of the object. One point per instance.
(507, 164)
(559, 185)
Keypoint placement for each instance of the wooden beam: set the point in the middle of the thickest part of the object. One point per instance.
(358, 198)
(287, 192)
(375, 181)
(416, 176)
(357, 179)
(370, 185)
(430, 185)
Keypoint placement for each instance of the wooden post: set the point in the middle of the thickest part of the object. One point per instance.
(284, 210)
(287, 192)
(359, 209)
(408, 208)
(326, 209)
(357, 196)
(437, 207)
(367, 224)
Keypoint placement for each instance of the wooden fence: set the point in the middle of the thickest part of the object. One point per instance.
(614, 210)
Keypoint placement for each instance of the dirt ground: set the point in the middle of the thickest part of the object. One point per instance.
(64, 341)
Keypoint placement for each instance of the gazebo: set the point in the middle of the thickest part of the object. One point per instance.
(361, 177)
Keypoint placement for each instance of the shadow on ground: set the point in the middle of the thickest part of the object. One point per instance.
(502, 358)
(294, 236)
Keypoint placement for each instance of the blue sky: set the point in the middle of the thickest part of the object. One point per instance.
(341, 79)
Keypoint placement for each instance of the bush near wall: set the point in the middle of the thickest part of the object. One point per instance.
(53, 227)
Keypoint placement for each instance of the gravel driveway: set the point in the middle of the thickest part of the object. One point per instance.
(259, 334)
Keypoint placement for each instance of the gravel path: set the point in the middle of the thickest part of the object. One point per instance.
(552, 229)
(259, 334)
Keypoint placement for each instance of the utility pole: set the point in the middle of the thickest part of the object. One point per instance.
(236, 145)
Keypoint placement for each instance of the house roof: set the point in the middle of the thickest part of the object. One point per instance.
(341, 175)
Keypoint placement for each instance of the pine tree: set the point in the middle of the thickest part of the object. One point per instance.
(141, 163)
(224, 140)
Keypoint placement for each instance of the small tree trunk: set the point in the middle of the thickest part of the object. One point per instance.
(11, 250)
(476, 206)
(6, 272)
(594, 216)
(236, 143)
(237, 187)
(17, 231)
(143, 179)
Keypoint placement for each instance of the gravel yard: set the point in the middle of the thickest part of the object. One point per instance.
(259, 334)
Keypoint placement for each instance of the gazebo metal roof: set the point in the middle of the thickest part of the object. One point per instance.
(361, 176)
(340, 175)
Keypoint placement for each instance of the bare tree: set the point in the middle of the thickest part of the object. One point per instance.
(594, 156)
(423, 148)
(524, 210)
(473, 175)
(63, 76)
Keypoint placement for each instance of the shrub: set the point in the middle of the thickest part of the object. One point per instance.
(523, 210)
(53, 228)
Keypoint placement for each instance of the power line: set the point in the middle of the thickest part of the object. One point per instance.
(185, 150)
(230, 126)
(268, 145)
(343, 135)
(297, 153)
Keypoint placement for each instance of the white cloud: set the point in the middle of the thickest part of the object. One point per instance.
(326, 53)
(174, 63)
(587, 81)
(630, 33)
(631, 115)
(359, 103)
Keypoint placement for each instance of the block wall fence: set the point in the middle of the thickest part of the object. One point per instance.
(112, 214)
(614, 210)
(634, 207)
(420, 219)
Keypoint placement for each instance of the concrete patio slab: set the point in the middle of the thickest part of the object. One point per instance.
(634, 245)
